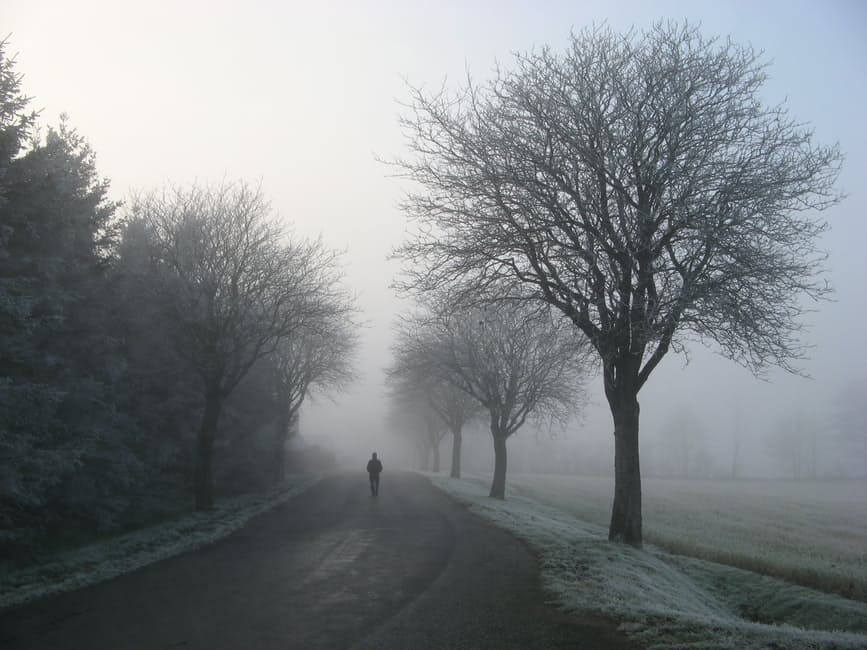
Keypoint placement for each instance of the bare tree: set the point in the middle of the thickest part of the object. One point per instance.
(455, 408)
(681, 439)
(413, 368)
(793, 443)
(516, 361)
(413, 415)
(320, 356)
(850, 421)
(232, 285)
(637, 183)
(737, 443)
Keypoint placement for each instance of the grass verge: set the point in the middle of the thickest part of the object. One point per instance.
(114, 556)
(664, 600)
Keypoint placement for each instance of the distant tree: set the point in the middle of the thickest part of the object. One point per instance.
(412, 416)
(232, 287)
(681, 439)
(414, 369)
(794, 444)
(515, 362)
(737, 443)
(320, 356)
(456, 409)
(850, 419)
(637, 183)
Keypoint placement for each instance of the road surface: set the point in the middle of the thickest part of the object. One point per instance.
(331, 568)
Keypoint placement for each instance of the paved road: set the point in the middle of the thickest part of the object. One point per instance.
(332, 568)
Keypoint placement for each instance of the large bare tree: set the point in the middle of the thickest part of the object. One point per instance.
(638, 183)
(233, 285)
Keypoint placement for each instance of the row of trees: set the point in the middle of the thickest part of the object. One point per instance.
(505, 362)
(637, 184)
(235, 290)
(145, 349)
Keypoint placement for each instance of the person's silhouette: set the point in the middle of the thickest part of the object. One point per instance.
(374, 469)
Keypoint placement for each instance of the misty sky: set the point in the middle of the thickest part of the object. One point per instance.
(303, 96)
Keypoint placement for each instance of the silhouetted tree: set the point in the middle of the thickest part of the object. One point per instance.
(850, 420)
(516, 362)
(793, 443)
(414, 370)
(681, 440)
(320, 356)
(637, 183)
(232, 286)
(411, 415)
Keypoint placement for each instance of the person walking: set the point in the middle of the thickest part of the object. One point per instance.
(374, 469)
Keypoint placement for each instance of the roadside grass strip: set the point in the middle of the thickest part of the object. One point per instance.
(114, 556)
(663, 600)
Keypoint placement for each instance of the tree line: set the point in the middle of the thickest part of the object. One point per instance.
(151, 351)
(503, 363)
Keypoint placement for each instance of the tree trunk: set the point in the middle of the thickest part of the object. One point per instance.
(457, 439)
(204, 480)
(435, 450)
(284, 426)
(286, 429)
(498, 486)
(626, 512)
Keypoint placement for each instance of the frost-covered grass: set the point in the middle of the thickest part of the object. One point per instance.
(664, 600)
(813, 533)
(124, 553)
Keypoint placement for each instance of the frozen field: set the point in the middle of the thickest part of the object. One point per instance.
(813, 533)
(665, 600)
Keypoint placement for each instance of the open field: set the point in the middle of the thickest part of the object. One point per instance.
(673, 601)
(813, 533)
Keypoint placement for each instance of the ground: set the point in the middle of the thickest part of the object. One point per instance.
(331, 568)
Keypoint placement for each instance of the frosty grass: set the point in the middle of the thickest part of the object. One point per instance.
(661, 600)
(117, 555)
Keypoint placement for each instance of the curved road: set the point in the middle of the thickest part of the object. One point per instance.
(332, 568)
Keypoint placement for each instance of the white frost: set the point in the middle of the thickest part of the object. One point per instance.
(661, 600)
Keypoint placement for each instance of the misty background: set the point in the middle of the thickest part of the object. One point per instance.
(304, 98)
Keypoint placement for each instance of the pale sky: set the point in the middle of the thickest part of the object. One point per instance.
(302, 96)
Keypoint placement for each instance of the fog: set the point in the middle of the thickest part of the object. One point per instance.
(304, 99)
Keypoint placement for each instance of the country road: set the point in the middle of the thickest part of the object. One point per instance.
(331, 568)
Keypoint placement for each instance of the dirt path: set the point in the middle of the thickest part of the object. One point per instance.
(333, 568)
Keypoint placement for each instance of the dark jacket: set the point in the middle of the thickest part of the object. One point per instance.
(374, 466)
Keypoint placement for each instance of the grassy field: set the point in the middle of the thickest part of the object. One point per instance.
(812, 533)
(667, 600)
